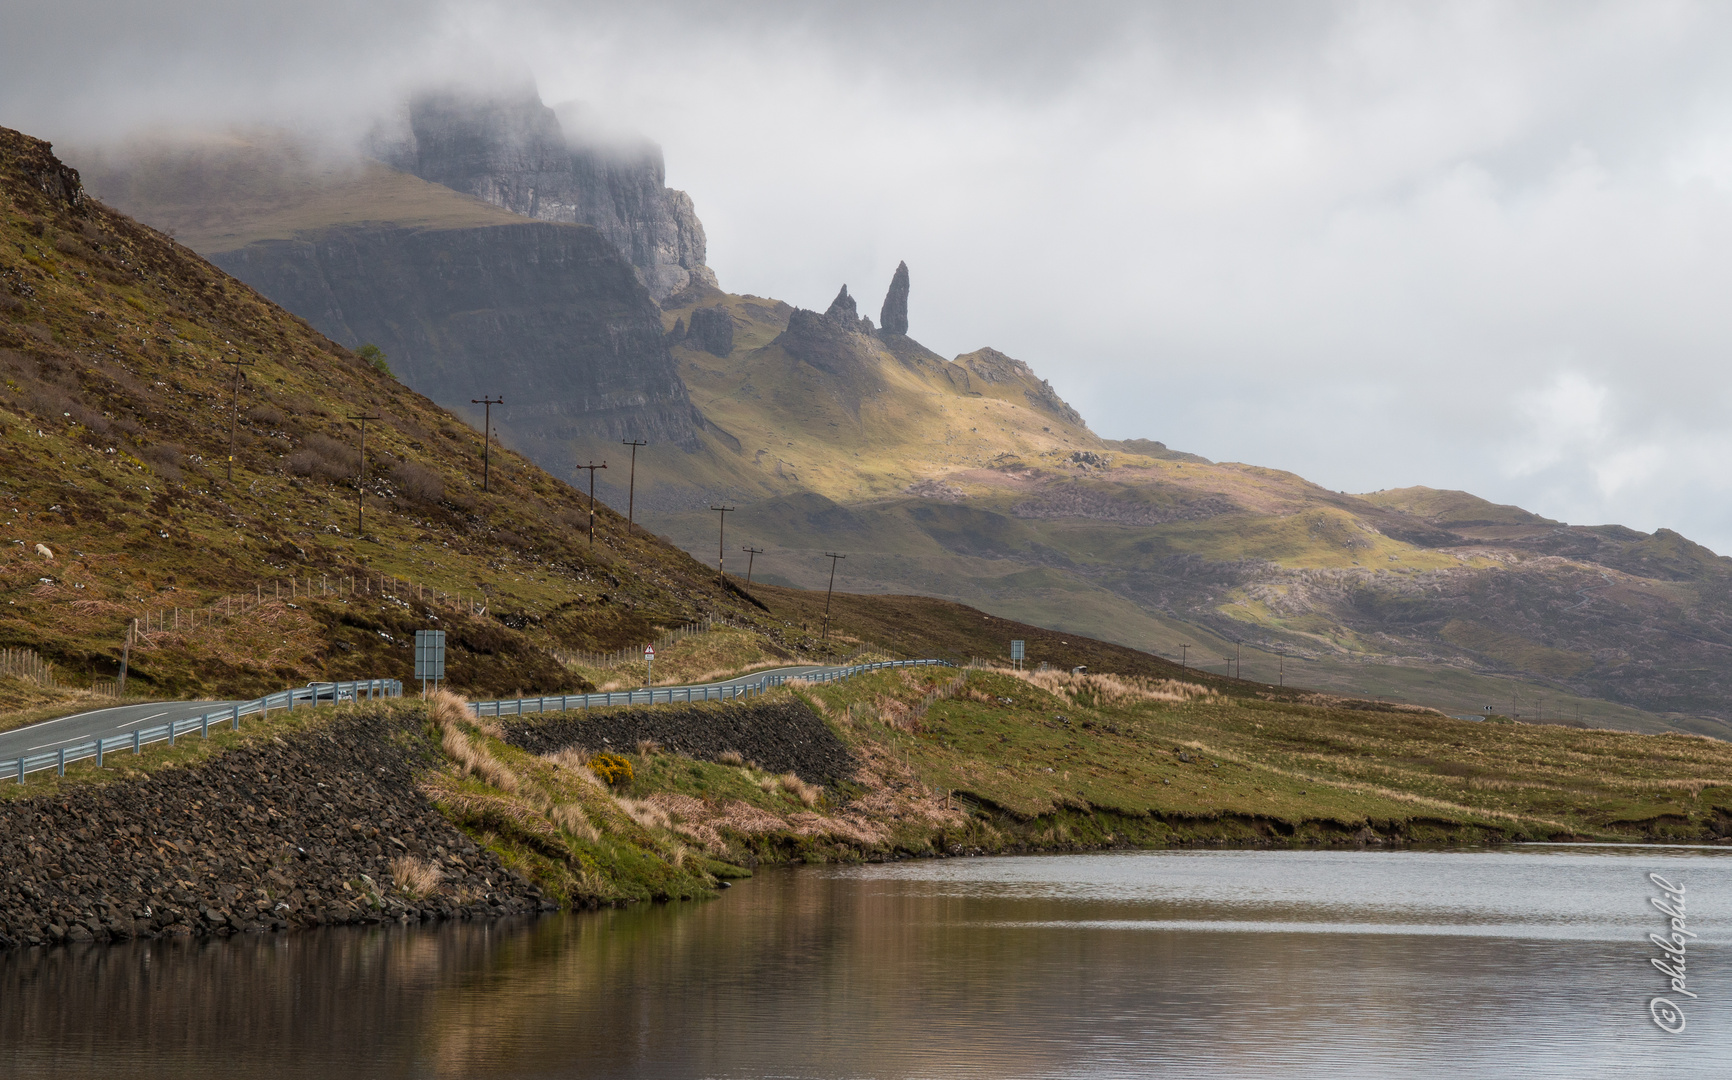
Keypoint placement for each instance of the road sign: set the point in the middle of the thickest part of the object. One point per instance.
(1016, 652)
(649, 665)
(649, 652)
(429, 656)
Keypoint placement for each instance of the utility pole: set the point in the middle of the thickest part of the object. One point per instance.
(360, 492)
(235, 410)
(1184, 656)
(1282, 669)
(832, 556)
(721, 531)
(751, 553)
(126, 654)
(592, 466)
(631, 484)
(487, 435)
(1238, 672)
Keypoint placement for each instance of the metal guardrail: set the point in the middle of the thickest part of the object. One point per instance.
(678, 694)
(309, 695)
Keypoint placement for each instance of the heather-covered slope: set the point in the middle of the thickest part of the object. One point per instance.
(115, 423)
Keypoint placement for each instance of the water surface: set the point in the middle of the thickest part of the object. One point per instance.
(1531, 962)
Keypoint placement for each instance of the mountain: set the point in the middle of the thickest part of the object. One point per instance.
(124, 356)
(970, 478)
(510, 150)
(466, 300)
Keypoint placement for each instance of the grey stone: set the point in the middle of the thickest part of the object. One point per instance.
(712, 330)
(893, 317)
(510, 150)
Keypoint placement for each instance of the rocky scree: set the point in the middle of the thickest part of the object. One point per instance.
(779, 736)
(295, 832)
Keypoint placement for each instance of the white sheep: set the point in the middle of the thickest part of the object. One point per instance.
(42, 550)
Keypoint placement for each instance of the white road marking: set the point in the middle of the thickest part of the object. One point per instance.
(140, 720)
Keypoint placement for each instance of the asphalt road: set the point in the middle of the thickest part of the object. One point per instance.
(84, 727)
(50, 735)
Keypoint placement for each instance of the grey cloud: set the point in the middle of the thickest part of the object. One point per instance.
(1468, 245)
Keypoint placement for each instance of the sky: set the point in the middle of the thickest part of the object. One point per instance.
(1484, 246)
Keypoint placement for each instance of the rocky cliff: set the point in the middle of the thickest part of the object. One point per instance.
(512, 151)
(547, 316)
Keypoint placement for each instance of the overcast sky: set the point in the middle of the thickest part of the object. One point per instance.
(1481, 246)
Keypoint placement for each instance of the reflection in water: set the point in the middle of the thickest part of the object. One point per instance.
(1532, 963)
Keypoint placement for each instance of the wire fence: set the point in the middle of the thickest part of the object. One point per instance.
(630, 653)
(310, 695)
(162, 619)
(669, 695)
(27, 664)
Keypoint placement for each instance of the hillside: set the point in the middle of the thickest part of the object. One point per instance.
(117, 348)
(970, 479)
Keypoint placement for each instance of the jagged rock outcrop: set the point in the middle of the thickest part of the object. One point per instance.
(548, 316)
(893, 316)
(712, 330)
(993, 367)
(510, 150)
(843, 307)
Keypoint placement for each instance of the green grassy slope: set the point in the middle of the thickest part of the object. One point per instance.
(115, 417)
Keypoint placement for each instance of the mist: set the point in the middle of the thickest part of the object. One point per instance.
(1478, 246)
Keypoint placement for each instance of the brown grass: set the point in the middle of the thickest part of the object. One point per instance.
(806, 793)
(415, 878)
(451, 714)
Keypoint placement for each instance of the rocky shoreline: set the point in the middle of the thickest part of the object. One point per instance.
(285, 833)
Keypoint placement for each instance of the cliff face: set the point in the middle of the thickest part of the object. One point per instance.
(547, 316)
(511, 151)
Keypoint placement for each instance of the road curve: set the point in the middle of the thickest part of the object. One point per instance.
(80, 728)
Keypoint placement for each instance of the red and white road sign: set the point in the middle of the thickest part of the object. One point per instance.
(649, 652)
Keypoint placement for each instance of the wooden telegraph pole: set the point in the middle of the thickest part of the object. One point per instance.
(833, 557)
(751, 553)
(361, 477)
(235, 411)
(487, 433)
(631, 484)
(592, 466)
(723, 512)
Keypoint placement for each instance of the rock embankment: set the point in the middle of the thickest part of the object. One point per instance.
(296, 831)
(778, 736)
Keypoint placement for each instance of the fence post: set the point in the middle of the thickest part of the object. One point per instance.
(204, 726)
(171, 733)
(63, 761)
(99, 751)
(20, 768)
(135, 743)
(237, 713)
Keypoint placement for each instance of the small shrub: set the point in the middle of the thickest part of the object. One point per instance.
(646, 747)
(374, 357)
(731, 757)
(612, 768)
(418, 482)
(164, 458)
(415, 878)
(266, 416)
